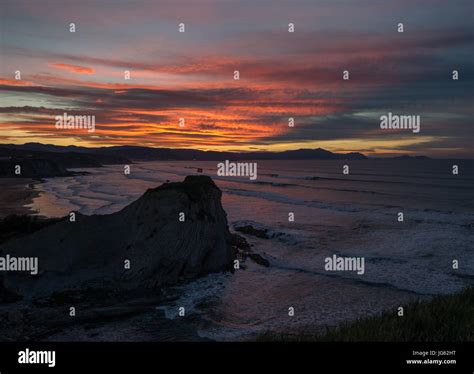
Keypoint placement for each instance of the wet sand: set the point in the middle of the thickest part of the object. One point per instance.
(15, 193)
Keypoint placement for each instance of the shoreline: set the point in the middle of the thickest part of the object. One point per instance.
(16, 194)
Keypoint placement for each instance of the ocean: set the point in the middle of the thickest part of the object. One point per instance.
(354, 215)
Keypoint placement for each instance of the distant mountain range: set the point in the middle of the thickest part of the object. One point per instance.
(148, 154)
(44, 160)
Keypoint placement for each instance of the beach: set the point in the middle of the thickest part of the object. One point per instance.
(15, 195)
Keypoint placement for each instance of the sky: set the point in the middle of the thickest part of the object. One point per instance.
(282, 74)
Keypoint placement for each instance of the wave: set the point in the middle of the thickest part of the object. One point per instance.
(351, 279)
(381, 182)
(270, 196)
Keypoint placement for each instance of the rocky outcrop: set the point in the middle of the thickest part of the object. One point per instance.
(262, 231)
(162, 249)
(252, 228)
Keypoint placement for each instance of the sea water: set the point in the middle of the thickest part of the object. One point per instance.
(353, 215)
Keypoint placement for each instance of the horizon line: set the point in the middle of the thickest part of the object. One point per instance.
(371, 156)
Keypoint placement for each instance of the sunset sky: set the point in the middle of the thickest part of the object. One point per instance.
(190, 75)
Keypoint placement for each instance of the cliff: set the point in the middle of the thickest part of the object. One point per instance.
(162, 250)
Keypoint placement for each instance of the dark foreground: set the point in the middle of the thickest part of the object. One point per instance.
(443, 319)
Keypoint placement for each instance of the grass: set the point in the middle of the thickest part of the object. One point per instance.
(447, 318)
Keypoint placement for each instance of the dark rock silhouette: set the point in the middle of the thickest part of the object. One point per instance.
(261, 231)
(39, 162)
(92, 251)
(32, 168)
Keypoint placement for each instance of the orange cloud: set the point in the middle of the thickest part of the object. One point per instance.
(72, 68)
(14, 82)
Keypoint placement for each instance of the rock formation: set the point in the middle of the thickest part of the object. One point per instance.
(93, 252)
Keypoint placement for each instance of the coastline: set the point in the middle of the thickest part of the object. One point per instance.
(16, 194)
